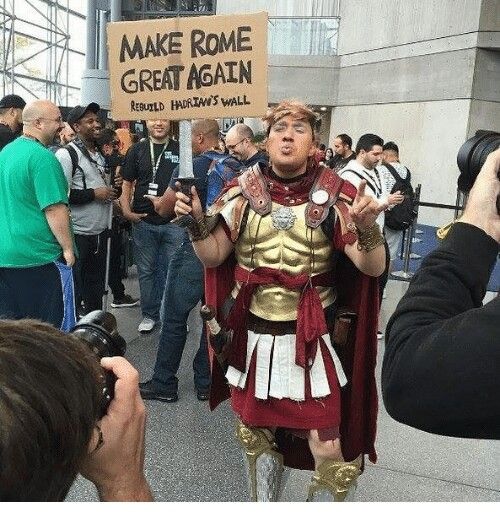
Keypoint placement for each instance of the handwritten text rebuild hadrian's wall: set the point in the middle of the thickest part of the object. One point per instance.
(185, 68)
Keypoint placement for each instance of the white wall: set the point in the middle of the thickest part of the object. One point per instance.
(484, 115)
(279, 7)
(429, 135)
(375, 24)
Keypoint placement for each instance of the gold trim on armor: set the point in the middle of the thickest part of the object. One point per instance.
(256, 442)
(336, 477)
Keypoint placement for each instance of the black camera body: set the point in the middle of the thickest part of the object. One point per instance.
(472, 155)
(99, 332)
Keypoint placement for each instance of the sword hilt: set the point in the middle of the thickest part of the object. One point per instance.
(185, 184)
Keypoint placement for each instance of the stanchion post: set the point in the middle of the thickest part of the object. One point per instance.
(406, 274)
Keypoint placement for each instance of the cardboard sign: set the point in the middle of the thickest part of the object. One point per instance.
(186, 68)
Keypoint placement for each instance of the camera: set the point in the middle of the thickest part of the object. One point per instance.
(99, 332)
(472, 155)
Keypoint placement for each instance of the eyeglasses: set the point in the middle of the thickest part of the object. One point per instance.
(58, 120)
(230, 148)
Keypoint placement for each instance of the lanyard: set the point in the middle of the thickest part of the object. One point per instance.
(152, 152)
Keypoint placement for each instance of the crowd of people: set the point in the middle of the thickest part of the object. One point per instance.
(287, 241)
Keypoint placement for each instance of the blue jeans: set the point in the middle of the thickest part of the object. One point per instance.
(184, 289)
(153, 249)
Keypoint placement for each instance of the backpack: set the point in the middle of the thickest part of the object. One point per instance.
(72, 153)
(223, 169)
(402, 215)
(74, 158)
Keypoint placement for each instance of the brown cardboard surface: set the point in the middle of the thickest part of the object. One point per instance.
(187, 68)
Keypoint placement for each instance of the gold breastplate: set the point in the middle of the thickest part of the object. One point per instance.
(281, 240)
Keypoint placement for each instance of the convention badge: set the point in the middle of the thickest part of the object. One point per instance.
(153, 189)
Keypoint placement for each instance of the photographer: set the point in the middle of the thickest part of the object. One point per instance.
(50, 398)
(441, 364)
(109, 145)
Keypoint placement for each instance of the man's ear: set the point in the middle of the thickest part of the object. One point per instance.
(312, 150)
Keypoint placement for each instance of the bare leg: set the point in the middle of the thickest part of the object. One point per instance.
(333, 480)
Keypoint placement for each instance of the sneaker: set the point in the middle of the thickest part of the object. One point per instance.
(202, 395)
(149, 393)
(125, 301)
(380, 335)
(146, 325)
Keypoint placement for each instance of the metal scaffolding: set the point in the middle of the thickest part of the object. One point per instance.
(37, 56)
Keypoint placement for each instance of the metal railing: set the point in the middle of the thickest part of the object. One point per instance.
(314, 36)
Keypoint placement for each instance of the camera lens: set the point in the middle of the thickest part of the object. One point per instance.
(98, 330)
(472, 155)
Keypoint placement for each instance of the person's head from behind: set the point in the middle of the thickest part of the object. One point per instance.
(369, 150)
(239, 142)
(390, 152)
(291, 137)
(342, 145)
(50, 393)
(42, 120)
(204, 135)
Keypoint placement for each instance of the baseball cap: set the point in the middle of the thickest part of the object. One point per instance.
(14, 101)
(78, 111)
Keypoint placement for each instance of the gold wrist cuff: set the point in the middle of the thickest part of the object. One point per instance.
(370, 238)
(198, 229)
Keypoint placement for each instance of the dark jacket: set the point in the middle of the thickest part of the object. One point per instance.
(441, 370)
(6, 135)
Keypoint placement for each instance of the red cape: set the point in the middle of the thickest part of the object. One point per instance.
(359, 397)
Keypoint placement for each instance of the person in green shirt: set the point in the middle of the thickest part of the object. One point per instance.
(36, 252)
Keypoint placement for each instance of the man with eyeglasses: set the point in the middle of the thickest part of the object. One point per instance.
(239, 143)
(36, 247)
(90, 197)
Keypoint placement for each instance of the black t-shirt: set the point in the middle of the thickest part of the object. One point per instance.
(6, 135)
(138, 166)
(338, 162)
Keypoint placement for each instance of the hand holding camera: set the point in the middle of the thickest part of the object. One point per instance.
(483, 206)
(115, 463)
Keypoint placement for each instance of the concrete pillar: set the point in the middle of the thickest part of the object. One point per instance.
(116, 10)
(103, 49)
(90, 57)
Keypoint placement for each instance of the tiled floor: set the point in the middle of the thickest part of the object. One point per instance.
(192, 455)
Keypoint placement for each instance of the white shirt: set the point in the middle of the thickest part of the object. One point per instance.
(375, 186)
